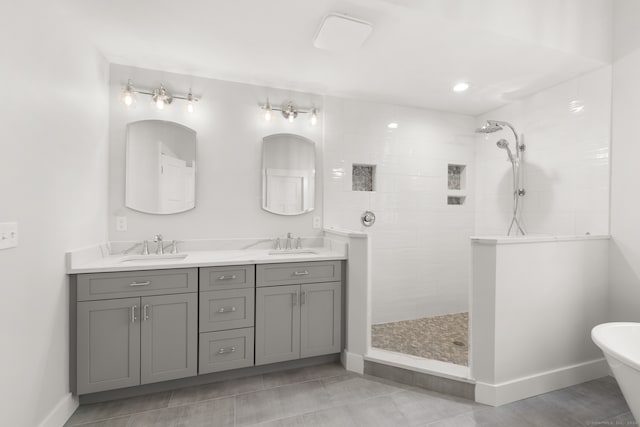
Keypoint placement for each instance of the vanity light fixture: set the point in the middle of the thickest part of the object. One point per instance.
(160, 96)
(190, 102)
(289, 112)
(128, 94)
(393, 125)
(266, 111)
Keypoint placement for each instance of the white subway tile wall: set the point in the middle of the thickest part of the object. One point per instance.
(420, 244)
(566, 130)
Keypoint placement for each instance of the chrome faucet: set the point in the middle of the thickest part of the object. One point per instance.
(298, 243)
(278, 246)
(289, 239)
(160, 244)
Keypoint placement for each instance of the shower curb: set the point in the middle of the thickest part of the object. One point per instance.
(457, 388)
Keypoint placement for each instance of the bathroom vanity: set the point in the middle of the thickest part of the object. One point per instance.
(159, 324)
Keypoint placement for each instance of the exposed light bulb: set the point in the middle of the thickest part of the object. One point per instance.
(160, 104)
(266, 110)
(392, 125)
(190, 100)
(127, 95)
(128, 99)
(291, 117)
(314, 117)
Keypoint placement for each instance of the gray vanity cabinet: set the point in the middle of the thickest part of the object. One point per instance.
(169, 329)
(320, 319)
(108, 344)
(277, 324)
(298, 320)
(140, 339)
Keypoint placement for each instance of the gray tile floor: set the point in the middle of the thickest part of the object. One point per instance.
(327, 395)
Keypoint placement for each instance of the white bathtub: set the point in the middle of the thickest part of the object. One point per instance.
(620, 343)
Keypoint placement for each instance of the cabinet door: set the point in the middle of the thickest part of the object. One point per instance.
(108, 344)
(320, 319)
(277, 324)
(169, 328)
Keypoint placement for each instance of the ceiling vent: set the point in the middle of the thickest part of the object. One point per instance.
(341, 33)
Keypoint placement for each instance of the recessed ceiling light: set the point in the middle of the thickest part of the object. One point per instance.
(461, 87)
(392, 125)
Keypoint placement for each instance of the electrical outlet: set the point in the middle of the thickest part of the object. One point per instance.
(8, 235)
(121, 223)
(317, 222)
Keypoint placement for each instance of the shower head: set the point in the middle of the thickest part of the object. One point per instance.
(490, 126)
(504, 144)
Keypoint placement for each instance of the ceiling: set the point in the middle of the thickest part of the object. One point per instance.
(418, 49)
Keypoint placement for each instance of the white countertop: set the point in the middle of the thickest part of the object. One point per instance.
(210, 258)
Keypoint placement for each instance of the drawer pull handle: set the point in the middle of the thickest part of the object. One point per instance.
(140, 283)
(294, 299)
(233, 276)
(301, 273)
(227, 310)
(133, 313)
(226, 350)
(145, 312)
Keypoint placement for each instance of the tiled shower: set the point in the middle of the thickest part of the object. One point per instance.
(433, 183)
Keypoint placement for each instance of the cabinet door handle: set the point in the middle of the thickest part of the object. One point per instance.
(226, 350)
(133, 313)
(303, 297)
(294, 299)
(227, 310)
(145, 312)
(140, 283)
(233, 276)
(301, 273)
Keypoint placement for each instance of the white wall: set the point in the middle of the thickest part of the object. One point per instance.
(420, 247)
(534, 304)
(625, 176)
(229, 130)
(566, 162)
(53, 182)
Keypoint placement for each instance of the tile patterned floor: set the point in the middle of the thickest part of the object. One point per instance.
(327, 395)
(428, 337)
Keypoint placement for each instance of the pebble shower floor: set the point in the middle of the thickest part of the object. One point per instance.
(444, 338)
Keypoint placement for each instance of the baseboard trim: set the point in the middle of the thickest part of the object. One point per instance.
(353, 362)
(533, 385)
(61, 413)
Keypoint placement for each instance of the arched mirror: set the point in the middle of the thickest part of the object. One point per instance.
(288, 174)
(161, 167)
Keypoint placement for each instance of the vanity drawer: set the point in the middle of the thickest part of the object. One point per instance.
(220, 351)
(230, 309)
(96, 286)
(232, 277)
(298, 272)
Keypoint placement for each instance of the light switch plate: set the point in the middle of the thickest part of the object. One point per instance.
(8, 235)
(317, 222)
(121, 223)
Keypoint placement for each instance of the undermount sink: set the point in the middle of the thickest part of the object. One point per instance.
(152, 259)
(293, 252)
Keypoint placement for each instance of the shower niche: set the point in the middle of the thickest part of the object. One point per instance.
(456, 184)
